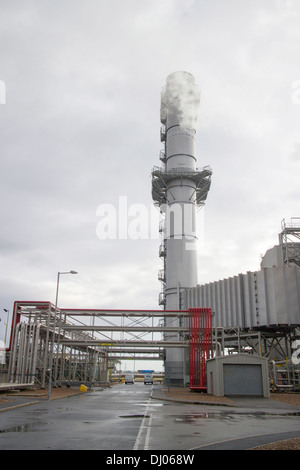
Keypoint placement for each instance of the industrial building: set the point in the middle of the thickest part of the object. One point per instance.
(267, 298)
(259, 312)
(264, 304)
(211, 337)
(238, 374)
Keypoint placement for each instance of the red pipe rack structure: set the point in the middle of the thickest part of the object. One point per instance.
(200, 346)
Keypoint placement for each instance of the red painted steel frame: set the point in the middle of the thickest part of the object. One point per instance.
(200, 346)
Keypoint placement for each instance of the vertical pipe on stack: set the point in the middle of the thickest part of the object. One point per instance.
(178, 188)
(179, 107)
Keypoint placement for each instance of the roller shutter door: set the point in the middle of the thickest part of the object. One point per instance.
(243, 379)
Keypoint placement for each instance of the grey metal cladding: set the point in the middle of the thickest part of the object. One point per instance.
(268, 297)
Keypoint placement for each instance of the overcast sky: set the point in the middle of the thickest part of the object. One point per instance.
(80, 127)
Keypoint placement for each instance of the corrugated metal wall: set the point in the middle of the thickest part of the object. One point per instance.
(256, 299)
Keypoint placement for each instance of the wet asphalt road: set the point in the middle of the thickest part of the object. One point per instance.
(108, 419)
(125, 417)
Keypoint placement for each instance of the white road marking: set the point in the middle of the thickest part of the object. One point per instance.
(143, 427)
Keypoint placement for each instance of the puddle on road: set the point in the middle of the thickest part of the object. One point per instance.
(159, 404)
(134, 416)
(193, 418)
(30, 427)
(152, 404)
(37, 410)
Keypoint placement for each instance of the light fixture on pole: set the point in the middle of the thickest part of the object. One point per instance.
(7, 311)
(54, 325)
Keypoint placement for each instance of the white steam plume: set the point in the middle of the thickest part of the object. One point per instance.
(180, 100)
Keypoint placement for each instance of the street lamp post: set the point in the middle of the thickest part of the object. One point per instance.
(3, 352)
(54, 325)
(7, 311)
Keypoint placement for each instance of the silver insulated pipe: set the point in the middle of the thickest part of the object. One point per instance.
(178, 187)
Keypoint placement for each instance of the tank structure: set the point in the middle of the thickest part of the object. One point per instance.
(258, 312)
(265, 300)
(178, 189)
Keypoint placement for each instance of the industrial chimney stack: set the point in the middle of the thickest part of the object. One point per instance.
(178, 187)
